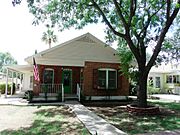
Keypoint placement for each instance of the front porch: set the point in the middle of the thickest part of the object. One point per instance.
(56, 92)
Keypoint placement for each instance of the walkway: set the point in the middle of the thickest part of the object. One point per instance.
(94, 123)
(169, 97)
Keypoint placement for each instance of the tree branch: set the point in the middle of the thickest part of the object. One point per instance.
(119, 12)
(132, 47)
(161, 38)
(132, 10)
(168, 9)
(106, 20)
(149, 20)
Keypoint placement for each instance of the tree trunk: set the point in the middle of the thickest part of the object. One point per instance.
(142, 91)
(49, 43)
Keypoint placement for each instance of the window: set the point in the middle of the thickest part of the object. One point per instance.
(102, 79)
(172, 79)
(158, 82)
(48, 76)
(107, 79)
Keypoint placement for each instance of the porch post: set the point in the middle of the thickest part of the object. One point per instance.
(21, 80)
(12, 80)
(6, 90)
(62, 93)
(16, 80)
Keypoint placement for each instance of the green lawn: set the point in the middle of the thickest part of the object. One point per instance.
(169, 119)
(52, 121)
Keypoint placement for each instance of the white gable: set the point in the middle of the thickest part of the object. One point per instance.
(75, 52)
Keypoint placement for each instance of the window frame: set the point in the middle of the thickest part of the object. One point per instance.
(107, 77)
(49, 69)
(172, 76)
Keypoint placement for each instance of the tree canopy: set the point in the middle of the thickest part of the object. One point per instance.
(171, 49)
(48, 37)
(6, 59)
(136, 21)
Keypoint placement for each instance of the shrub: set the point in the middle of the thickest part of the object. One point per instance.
(152, 90)
(3, 88)
(30, 95)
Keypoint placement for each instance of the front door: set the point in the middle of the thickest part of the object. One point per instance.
(67, 80)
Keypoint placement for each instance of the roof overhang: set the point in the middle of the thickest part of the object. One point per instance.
(21, 68)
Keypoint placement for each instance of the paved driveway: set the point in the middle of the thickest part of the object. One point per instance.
(14, 117)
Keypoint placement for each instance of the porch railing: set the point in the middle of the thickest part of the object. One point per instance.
(52, 89)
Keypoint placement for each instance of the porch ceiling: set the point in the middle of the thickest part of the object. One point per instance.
(21, 68)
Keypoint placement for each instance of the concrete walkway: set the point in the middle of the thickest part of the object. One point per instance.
(168, 97)
(94, 123)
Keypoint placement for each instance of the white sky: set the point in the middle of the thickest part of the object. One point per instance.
(20, 38)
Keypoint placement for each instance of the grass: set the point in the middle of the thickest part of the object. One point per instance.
(52, 121)
(169, 119)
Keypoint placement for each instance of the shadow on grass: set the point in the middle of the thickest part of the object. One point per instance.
(56, 120)
(65, 111)
(168, 119)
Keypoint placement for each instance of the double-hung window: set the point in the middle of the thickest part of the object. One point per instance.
(107, 78)
(48, 76)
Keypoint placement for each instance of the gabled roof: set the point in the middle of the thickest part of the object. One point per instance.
(76, 51)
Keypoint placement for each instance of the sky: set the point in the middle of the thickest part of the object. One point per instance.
(20, 38)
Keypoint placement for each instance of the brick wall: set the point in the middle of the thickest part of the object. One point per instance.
(89, 90)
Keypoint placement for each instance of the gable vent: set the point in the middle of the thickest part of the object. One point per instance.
(86, 39)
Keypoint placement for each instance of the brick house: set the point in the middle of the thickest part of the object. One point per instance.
(84, 63)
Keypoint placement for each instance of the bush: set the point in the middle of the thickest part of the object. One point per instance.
(152, 90)
(30, 95)
(3, 88)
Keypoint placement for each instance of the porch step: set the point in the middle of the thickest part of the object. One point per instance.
(53, 97)
(70, 97)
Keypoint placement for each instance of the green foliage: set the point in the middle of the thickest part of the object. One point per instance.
(3, 88)
(45, 90)
(6, 59)
(48, 37)
(29, 95)
(171, 48)
(152, 90)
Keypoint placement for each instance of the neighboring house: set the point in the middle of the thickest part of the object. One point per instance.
(84, 63)
(166, 77)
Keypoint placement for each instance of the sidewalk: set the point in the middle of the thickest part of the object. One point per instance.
(168, 97)
(13, 101)
(94, 123)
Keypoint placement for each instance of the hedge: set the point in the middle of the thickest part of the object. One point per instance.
(3, 87)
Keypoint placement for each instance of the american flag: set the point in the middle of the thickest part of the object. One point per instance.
(35, 70)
